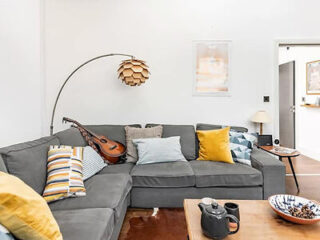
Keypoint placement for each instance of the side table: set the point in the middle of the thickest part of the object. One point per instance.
(271, 149)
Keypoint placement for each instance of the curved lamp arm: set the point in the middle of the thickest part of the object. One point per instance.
(74, 71)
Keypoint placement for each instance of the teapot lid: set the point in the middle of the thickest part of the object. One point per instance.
(215, 209)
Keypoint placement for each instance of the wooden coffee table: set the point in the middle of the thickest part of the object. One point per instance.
(257, 221)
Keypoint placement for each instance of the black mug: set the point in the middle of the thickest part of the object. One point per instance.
(232, 209)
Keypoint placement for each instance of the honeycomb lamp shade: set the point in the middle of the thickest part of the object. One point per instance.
(133, 72)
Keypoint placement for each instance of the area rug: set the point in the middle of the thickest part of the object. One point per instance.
(144, 224)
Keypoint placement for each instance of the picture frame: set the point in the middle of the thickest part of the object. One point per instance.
(313, 78)
(212, 68)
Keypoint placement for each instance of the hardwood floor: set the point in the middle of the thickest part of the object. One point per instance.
(169, 224)
(308, 175)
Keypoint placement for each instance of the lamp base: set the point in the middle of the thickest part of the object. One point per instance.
(261, 128)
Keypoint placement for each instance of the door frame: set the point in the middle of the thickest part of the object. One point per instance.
(276, 45)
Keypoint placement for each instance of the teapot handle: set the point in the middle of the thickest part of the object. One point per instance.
(237, 221)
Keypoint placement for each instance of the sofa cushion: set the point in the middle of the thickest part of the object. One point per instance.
(138, 133)
(113, 132)
(187, 137)
(158, 175)
(103, 191)
(71, 137)
(92, 162)
(156, 150)
(28, 161)
(24, 212)
(91, 223)
(3, 167)
(219, 174)
(214, 145)
(124, 168)
(204, 126)
(64, 173)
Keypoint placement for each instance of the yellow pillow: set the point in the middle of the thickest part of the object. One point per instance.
(24, 212)
(214, 145)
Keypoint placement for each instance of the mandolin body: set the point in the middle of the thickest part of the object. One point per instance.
(110, 150)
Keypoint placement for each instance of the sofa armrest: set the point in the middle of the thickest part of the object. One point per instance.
(273, 172)
(2, 165)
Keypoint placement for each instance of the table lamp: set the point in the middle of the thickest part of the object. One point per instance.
(261, 117)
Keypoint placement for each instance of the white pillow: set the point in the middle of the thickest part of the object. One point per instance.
(92, 162)
(156, 150)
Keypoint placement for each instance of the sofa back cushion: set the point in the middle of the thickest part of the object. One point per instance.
(205, 126)
(114, 132)
(187, 137)
(72, 136)
(28, 161)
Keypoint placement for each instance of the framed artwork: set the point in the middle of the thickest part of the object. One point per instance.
(212, 67)
(313, 78)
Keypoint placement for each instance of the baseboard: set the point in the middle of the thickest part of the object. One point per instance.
(311, 153)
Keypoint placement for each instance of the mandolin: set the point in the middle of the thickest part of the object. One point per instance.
(108, 149)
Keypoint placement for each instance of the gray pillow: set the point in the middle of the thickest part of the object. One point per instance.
(135, 133)
(92, 162)
(157, 150)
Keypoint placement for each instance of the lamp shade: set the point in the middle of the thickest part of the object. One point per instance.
(261, 117)
(133, 72)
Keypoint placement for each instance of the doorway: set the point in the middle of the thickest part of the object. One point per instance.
(298, 124)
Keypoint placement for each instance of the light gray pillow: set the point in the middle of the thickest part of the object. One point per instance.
(138, 133)
(157, 150)
(92, 162)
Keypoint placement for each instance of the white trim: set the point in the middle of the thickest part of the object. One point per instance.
(303, 174)
(314, 154)
(194, 59)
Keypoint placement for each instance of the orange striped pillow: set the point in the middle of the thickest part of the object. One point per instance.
(64, 173)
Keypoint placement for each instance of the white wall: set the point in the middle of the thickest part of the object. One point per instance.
(307, 119)
(160, 32)
(20, 71)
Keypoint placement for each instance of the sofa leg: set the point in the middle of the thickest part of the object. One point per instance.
(155, 211)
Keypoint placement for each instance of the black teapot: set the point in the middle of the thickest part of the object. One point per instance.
(215, 222)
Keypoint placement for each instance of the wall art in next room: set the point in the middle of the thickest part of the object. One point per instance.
(313, 78)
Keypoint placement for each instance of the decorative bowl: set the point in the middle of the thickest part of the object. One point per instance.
(281, 204)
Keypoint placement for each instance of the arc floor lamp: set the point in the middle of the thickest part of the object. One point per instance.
(132, 72)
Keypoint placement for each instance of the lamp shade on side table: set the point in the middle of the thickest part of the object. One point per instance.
(261, 117)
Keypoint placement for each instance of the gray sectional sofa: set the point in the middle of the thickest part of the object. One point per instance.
(100, 214)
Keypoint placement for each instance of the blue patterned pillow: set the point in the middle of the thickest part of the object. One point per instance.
(4, 234)
(92, 163)
(241, 145)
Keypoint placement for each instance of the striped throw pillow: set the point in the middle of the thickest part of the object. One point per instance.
(64, 173)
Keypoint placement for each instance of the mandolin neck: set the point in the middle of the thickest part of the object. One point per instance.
(81, 126)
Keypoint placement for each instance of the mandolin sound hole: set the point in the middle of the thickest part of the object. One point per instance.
(103, 140)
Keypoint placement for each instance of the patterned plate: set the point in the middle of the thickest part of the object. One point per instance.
(282, 203)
